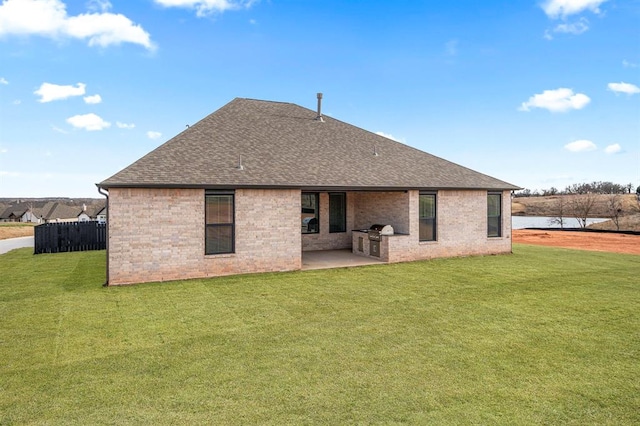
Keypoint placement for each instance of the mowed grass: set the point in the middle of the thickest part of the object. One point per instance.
(543, 336)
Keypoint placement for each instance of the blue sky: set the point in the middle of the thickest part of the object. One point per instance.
(537, 93)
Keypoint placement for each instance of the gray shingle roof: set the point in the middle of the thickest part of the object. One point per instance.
(282, 145)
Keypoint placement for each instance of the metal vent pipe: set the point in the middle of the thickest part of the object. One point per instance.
(319, 116)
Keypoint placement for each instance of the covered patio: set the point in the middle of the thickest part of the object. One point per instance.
(327, 259)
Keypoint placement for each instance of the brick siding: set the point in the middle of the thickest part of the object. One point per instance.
(158, 234)
(461, 225)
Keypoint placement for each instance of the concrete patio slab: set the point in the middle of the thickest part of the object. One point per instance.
(327, 259)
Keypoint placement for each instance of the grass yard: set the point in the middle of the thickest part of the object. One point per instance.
(545, 336)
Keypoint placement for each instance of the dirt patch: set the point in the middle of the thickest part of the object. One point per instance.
(614, 243)
(13, 231)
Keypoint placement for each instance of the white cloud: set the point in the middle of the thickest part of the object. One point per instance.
(59, 130)
(581, 145)
(17, 102)
(575, 28)
(3, 150)
(628, 64)
(52, 92)
(388, 136)
(253, 21)
(559, 100)
(48, 18)
(3, 80)
(208, 7)
(562, 8)
(613, 149)
(628, 88)
(99, 5)
(125, 125)
(451, 47)
(89, 121)
(153, 135)
(93, 99)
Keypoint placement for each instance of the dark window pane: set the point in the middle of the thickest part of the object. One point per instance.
(337, 212)
(493, 205)
(219, 209)
(427, 206)
(427, 216)
(310, 213)
(494, 215)
(219, 223)
(427, 230)
(219, 239)
(494, 227)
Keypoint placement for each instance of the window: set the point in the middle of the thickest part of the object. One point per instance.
(427, 216)
(310, 213)
(219, 222)
(494, 214)
(338, 212)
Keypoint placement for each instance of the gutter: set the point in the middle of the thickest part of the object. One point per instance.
(106, 195)
(506, 187)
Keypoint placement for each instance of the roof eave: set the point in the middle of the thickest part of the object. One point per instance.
(107, 186)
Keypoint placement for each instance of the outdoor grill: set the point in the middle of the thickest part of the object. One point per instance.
(377, 231)
(375, 236)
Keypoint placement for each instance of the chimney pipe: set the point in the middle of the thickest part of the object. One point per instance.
(319, 117)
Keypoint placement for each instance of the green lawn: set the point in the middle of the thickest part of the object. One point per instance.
(544, 336)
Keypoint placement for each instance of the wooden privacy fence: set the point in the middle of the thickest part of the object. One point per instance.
(70, 236)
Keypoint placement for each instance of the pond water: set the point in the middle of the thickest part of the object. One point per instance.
(521, 222)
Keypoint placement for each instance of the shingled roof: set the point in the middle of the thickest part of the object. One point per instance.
(282, 145)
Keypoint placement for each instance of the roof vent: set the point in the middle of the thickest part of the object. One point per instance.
(375, 151)
(240, 166)
(319, 116)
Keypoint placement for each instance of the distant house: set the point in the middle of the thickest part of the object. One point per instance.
(255, 184)
(16, 212)
(11, 215)
(95, 212)
(30, 216)
(101, 215)
(41, 211)
(53, 212)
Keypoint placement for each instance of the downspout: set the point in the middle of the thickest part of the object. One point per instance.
(106, 195)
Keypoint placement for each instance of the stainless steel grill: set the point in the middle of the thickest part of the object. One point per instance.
(377, 231)
(375, 236)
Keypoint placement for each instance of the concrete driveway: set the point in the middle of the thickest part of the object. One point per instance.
(15, 243)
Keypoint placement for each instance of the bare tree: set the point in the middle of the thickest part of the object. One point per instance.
(580, 205)
(629, 187)
(560, 212)
(614, 205)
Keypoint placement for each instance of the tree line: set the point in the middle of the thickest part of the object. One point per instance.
(581, 188)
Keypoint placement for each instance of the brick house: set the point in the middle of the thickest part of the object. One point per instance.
(255, 184)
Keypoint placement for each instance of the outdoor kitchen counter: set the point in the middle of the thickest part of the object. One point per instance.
(362, 246)
(366, 231)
